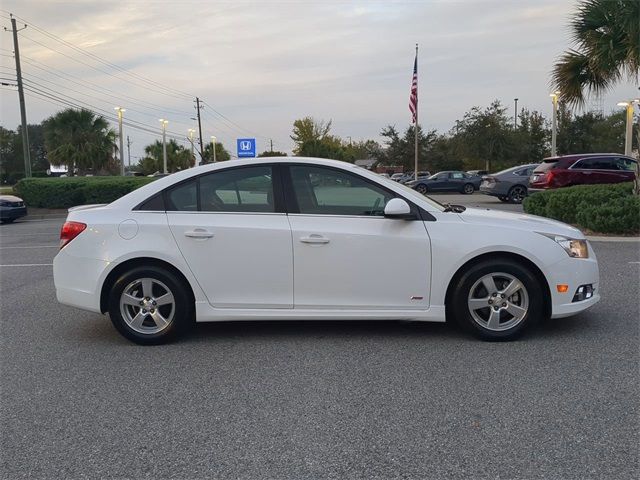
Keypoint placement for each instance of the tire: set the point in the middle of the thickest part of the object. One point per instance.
(517, 194)
(421, 188)
(515, 313)
(468, 188)
(150, 323)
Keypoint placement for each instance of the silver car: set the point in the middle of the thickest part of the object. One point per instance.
(510, 185)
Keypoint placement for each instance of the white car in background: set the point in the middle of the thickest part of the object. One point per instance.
(297, 238)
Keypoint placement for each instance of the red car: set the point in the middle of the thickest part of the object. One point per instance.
(586, 168)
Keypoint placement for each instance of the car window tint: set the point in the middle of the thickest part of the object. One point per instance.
(183, 197)
(155, 203)
(248, 189)
(596, 163)
(625, 164)
(326, 191)
(457, 175)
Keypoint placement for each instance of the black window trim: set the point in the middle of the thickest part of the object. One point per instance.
(278, 195)
(291, 202)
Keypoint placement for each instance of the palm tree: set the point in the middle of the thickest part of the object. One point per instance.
(606, 34)
(178, 157)
(79, 139)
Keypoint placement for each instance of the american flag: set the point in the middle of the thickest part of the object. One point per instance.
(413, 97)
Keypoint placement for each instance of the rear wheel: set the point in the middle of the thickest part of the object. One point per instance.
(497, 300)
(517, 194)
(468, 189)
(150, 305)
(421, 188)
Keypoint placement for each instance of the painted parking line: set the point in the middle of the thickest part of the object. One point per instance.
(634, 263)
(28, 265)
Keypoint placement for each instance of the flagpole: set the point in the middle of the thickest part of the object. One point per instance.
(415, 129)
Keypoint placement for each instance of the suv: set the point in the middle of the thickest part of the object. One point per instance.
(557, 172)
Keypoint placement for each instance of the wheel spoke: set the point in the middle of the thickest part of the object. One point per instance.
(136, 322)
(147, 287)
(130, 300)
(161, 322)
(494, 319)
(165, 299)
(478, 303)
(512, 288)
(516, 311)
(489, 284)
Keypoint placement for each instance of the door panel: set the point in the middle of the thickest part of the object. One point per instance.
(360, 262)
(239, 260)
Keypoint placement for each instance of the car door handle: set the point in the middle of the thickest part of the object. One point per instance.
(198, 233)
(314, 238)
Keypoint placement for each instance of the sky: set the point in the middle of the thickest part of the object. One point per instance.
(259, 65)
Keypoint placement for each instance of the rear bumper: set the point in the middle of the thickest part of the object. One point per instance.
(77, 280)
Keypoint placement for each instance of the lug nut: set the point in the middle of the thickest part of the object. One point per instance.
(502, 295)
(495, 308)
(144, 311)
(141, 302)
(490, 302)
(504, 304)
(154, 302)
(152, 310)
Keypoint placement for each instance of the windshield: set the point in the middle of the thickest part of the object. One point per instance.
(508, 170)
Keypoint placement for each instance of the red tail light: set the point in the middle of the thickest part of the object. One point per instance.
(70, 230)
(549, 178)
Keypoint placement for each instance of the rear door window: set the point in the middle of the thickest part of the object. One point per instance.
(546, 165)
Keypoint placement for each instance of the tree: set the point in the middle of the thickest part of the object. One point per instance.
(178, 158)
(79, 139)
(268, 153)
(531, 137)
(401, 150)
(590, 132)
(221, 153)
(309, 130)
(606, 35)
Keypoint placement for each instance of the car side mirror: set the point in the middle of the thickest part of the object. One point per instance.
(398, 208)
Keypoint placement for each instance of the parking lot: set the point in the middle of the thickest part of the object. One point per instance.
(315, 399)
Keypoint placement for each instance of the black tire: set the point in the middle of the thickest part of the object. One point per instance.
(517, 194)
(183, 308)
(468, 188)
(421, 188)
(534, 293)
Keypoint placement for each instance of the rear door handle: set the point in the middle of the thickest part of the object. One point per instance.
(198, 233)
(314, 238)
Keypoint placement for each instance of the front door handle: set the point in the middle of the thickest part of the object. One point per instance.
(314, 238)
(198, 233)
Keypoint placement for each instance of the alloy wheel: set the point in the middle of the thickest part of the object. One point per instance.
(421, 189)
(498, 301)
(147, 305)
(517, 194)
(468, 189)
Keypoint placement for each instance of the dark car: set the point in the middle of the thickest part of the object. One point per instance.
(510, 185)
(449, 181)
(11, 208)
(564, 171)
(478, 172)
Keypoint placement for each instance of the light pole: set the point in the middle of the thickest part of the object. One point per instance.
(554, 123)
(193, 157)
(627, 136)
(515, 113)
(213, 147)
(164, 143)
(120, 111)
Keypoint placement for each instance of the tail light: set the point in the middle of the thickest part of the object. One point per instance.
(70, 230)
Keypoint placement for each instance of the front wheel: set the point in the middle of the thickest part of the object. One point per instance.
(497, 300)
(421, 188)
(468, 189)
(150, 305)
(517, 194)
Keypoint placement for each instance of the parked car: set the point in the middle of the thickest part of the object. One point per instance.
(448, 181)
(11, 208)
(510, 185)
(409, 176)
(564, 171)
(396, 177)
(295, 238)
(478, 172)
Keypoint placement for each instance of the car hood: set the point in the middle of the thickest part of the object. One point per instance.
(520, 221)
(10, 198)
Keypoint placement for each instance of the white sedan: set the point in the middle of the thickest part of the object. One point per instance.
(301, 238)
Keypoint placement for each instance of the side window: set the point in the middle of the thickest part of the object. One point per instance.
(585, 164)
(183, 198)
(625, 164)
(326, 191)
(457, 175)
(248, 189)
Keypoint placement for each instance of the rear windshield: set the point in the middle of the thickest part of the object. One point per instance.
(546, 165)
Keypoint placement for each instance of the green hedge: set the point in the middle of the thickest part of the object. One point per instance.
(600, 208)
(72, 191)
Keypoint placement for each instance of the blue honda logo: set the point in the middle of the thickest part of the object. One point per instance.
(246, 147)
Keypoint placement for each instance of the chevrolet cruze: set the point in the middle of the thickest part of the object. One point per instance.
(300, 238)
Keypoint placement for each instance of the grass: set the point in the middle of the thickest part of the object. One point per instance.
(6, 190)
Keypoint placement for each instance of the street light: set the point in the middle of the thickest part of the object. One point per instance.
(554, 123)
(164, 143)
(213, 147)
(120, 111)
(193, 157)
(627, 136)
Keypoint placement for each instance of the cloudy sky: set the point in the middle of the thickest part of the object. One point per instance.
(259, 65)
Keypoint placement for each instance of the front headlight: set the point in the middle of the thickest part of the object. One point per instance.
(574, 248)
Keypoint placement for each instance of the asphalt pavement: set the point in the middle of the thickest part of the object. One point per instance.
(313, 399)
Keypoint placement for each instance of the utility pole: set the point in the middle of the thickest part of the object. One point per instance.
(198, 107)
(120, 111)
(554, 123)
(23, 111)
(515, 114)
(129, 152)
(193, 157)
